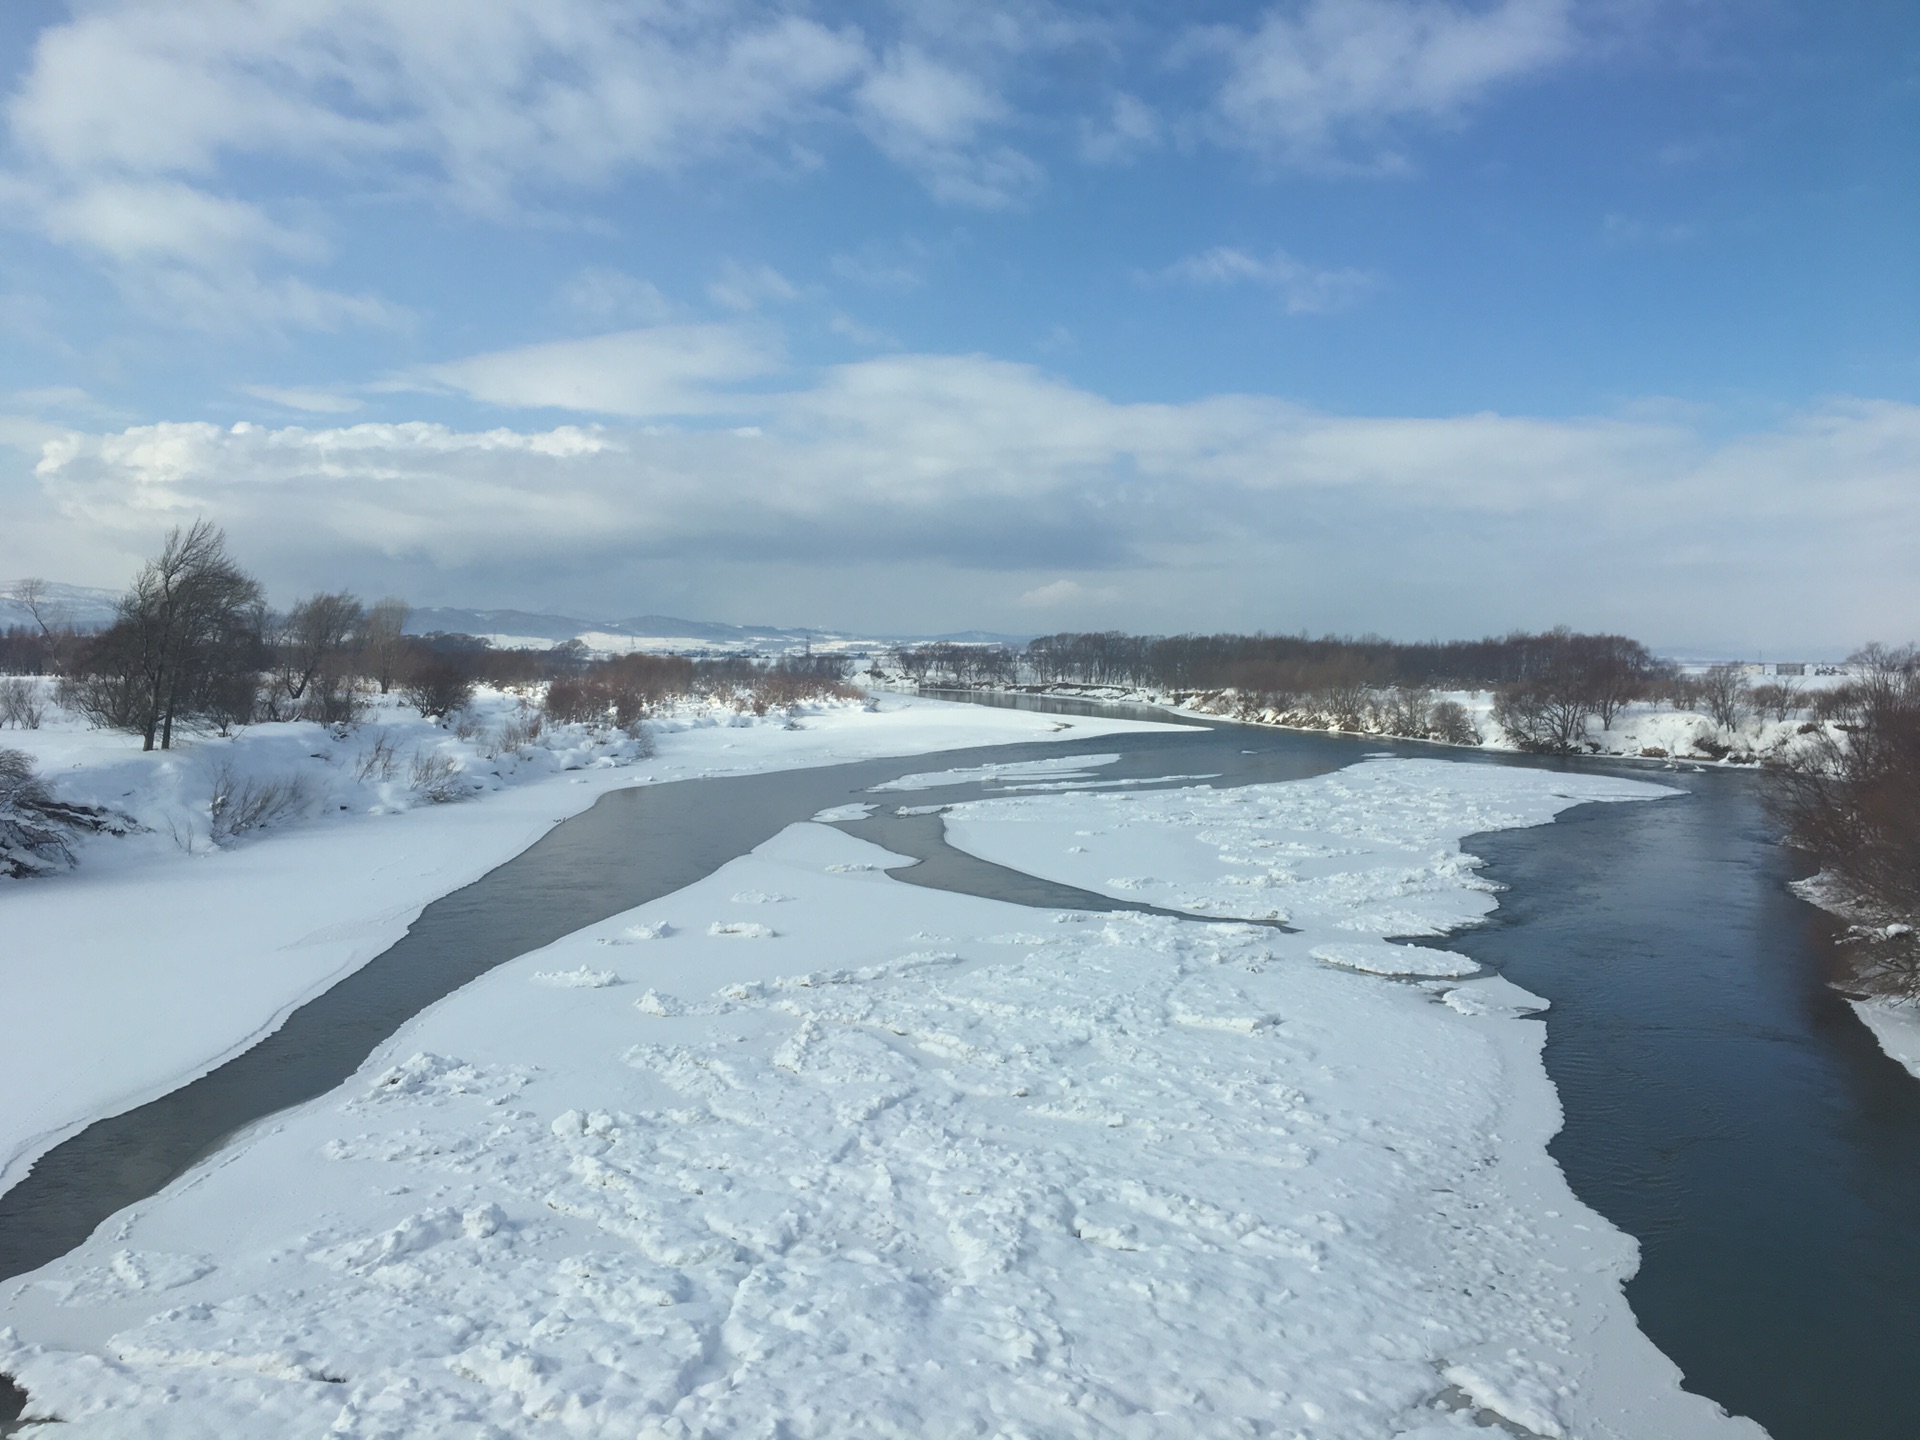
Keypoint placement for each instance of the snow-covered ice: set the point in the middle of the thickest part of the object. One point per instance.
(1065, 767)
(1896, 1025)
(1407, 960)
(149, 965)
(1310, 853)
(921, 1164)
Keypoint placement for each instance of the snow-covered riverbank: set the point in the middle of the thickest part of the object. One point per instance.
(162, 954)
(802, 1150)
(1640, 731)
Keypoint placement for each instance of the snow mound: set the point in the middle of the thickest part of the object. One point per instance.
(584, 978)
(635, 934)
(127, 1273)
(742, 930)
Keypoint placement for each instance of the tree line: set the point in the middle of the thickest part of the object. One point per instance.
(1548, 684)
(193, 645)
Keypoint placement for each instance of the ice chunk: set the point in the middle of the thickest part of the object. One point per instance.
(1379, 958)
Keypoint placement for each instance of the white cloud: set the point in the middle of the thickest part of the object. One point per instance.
(927, 116)
(898, 268)
(240, 301)
(844, 325)
(1324, 83)
(294, 397)
(660, 371)
(1232, 509)
(609, 297)
(1304, 289)
(1129, 127)
(748, 287)
(168, 221)
(488, 95)
(1067, 594)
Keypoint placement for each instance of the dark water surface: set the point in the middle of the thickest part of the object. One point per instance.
(1722, 1104)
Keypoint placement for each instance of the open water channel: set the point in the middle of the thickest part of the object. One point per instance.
(1722, 1103)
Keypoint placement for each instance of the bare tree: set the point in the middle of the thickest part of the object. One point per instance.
(1614, 671)
(1723, 691)
(383, 647)
(33, 594)
(1781, 700)
(313, 659)
(312, 637)
(1452, 724)
(183, 635)
(1543, 717)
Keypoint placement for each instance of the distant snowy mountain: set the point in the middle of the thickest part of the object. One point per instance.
(88, 608)
(84, 607)
(665, 633)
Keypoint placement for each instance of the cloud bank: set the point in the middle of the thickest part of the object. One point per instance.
(972, 468)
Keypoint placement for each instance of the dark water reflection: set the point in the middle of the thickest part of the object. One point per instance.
(1723, 1104)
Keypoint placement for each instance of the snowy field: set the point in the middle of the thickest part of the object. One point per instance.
(803, 1151)
(163, 953)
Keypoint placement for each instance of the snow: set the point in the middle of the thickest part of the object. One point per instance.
(1075, 767)
(1650, 731)
(922, 1163)
(164, 954)
(1306, 853)
(1406, 960)
(1896, 1025)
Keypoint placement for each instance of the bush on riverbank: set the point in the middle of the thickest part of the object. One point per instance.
(1850, 798)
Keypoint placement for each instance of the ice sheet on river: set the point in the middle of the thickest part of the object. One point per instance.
(919, 1164)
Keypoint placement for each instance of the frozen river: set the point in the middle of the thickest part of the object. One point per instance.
(1722, 1105)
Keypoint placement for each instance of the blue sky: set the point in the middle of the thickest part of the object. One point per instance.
(1414, 316)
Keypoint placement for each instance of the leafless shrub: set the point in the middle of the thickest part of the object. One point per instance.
(1405, 710)
(1779, 701)
(21, 704)
(521, 731)
(437, 778)
(1344, 700)
(437, 688)
(1883, 959)
(35, 829)
(467, 725)
(236, 805)
(576, 700)
(108, 700)
(1723, 694)
(1543, 718)
(1451, 723)
(377, 761)
(1851, 798)
(1679, 690)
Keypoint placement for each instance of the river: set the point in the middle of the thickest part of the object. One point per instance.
(1723, 1105)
